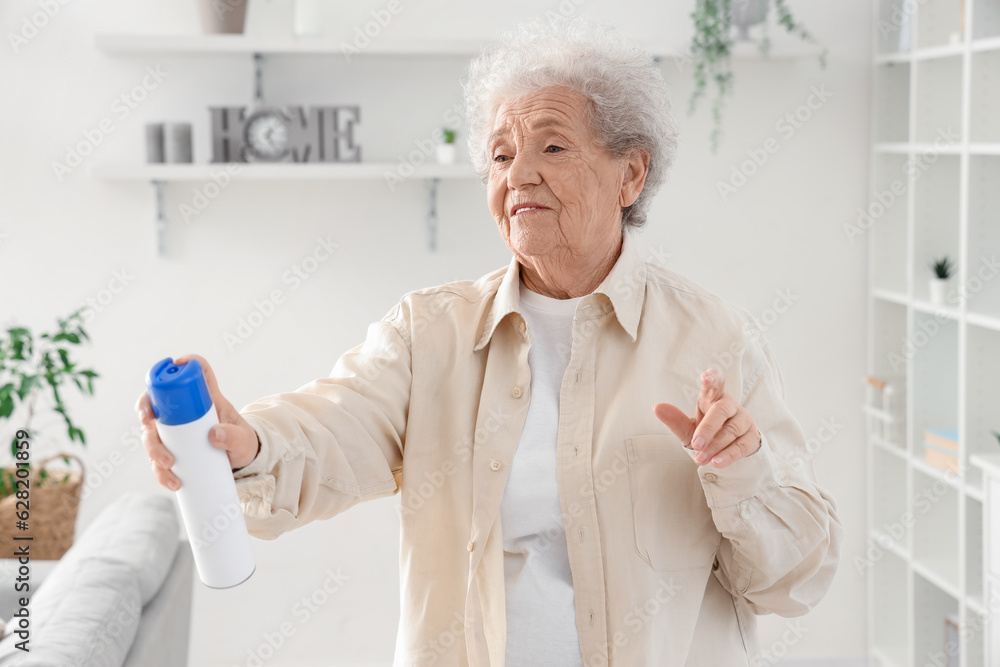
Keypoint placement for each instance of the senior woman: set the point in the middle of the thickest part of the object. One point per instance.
(558, 505)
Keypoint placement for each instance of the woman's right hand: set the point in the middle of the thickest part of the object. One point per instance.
(233, 433)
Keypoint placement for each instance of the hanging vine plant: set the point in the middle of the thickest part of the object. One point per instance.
(715, 21)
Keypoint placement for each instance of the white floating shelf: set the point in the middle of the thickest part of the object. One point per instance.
(782, 46)
(122, 44)
(275, 172)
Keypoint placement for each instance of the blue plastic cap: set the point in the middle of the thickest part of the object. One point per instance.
(178, 393)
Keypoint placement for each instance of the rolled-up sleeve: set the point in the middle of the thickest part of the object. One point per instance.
(334, 442)
(783, 535)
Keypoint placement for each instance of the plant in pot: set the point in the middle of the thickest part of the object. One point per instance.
(718, 24)
(939, 283)
(32, 371)
(446, 149)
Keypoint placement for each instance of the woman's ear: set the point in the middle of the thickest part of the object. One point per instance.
(635, 166)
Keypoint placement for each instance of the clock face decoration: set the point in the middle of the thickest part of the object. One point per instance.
(289, 134)
(266, 135)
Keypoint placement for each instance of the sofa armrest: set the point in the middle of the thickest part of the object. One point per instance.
(164, 629)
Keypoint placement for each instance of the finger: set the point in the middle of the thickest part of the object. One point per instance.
(675, 418)
(713, 388)
(227, 412)
(165, 477)
(715, 417)
(743, 446)
(731, 429)
(155, 449)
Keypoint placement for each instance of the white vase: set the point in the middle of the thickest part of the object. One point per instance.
(938, 287)
(745, 14)
(446, 153)
(308, 17)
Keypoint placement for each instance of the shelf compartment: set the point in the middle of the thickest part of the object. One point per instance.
(982, 391)
(982, 286)
(931, 606)
(973, 639)
(891, 525)
(984, 110)
(885, 218)
(891, 603)
(936, 218)
(938, 98)
(939, 22)
(889, 26)
(933, 344)
(892, 102)
(935, 530)
(987, 19)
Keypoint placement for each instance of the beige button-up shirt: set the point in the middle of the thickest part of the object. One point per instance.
(670, 561)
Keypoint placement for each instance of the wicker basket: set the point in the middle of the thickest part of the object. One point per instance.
(52, 513)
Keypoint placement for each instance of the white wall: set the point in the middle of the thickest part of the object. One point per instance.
(62, 242)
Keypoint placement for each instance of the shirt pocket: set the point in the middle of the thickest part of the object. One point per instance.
(673, 524)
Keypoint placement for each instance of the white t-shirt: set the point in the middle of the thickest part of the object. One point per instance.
(541, 613)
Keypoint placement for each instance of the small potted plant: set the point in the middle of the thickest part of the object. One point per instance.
(446, 149)
(34, 368)
(939, 283)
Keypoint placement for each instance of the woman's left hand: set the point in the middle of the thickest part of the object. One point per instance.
(722, 431)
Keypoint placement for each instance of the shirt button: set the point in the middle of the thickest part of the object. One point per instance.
(516, 392)
(470, 546)
(711, 477)
(494, 464)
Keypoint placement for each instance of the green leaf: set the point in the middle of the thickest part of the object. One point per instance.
(71, 337)
(6, 406)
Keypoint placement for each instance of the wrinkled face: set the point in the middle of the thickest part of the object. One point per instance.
(552, 188)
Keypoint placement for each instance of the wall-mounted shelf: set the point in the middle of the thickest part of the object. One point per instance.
(161, 174)
(782, 46)
(283, 171)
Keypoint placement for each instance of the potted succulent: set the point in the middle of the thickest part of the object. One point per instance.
(717, 25)
(446, 149)
(938, 284)
(33, 369)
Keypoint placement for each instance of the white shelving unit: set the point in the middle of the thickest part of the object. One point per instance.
(935, 190)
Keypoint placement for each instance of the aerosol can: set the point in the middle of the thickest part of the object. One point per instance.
(209, 502)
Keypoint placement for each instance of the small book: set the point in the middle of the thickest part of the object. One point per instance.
(942, 437)
(942, 459)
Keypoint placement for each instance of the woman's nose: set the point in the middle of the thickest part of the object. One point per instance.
(523, 171)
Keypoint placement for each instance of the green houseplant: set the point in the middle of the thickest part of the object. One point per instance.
(715, 22)
(33, 502)
(942, 269)
(33, 367)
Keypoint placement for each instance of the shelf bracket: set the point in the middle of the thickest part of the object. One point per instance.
(432, 219)
(161, 218)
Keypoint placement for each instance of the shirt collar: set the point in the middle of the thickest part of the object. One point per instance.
(624, 288)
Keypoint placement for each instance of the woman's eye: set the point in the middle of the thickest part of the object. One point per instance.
(557, 149)
(499, 158)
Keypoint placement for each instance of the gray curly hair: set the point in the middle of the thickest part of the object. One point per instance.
(629, 104)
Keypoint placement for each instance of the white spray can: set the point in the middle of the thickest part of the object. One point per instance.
(209, 502)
